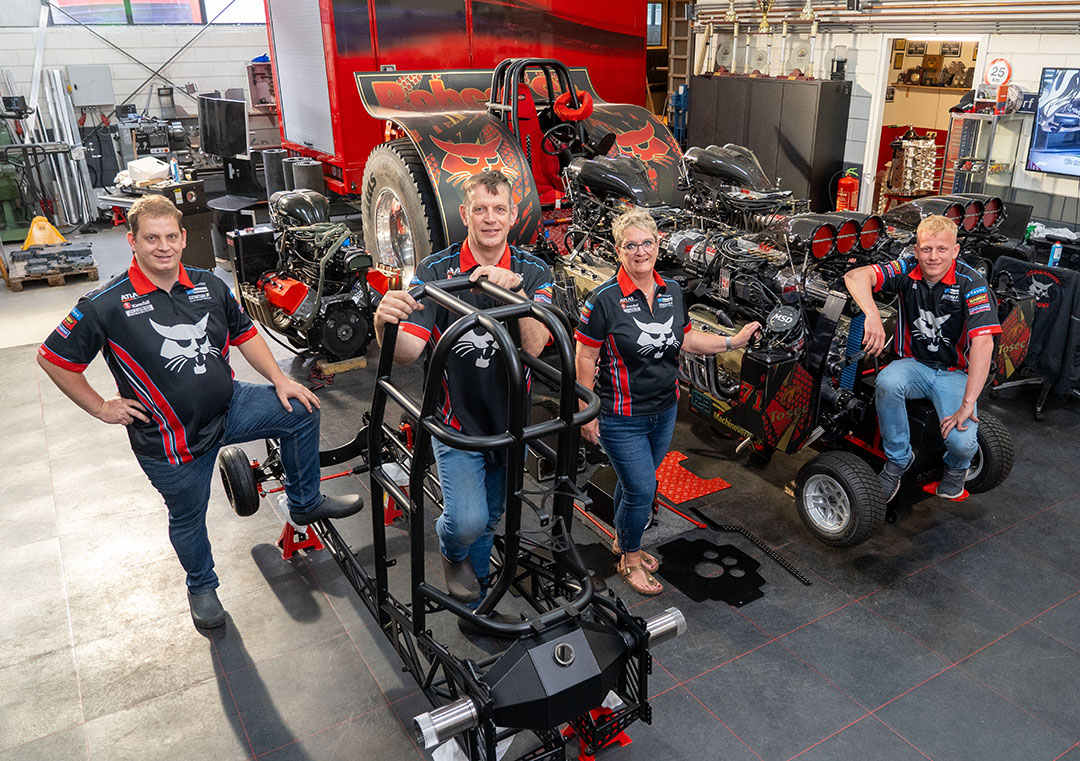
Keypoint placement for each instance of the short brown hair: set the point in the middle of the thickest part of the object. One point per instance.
(152, 206)
(638, 218)
(934, 224)
(491, 180)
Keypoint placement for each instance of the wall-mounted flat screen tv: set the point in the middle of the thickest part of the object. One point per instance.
(1055, 136)
(223, 126)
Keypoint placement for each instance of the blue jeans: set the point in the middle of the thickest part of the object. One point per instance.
(254, 413)
(473, 504)
(911, 379)
(636, 445)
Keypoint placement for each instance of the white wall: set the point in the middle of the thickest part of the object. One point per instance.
(216, 61)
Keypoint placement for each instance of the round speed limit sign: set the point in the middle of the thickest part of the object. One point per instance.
(998, 72)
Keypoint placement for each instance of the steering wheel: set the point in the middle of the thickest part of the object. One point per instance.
(559, 138)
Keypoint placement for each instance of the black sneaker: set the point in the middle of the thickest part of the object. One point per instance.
(206, 610)
(461, 581)
(951, 485)
(890, 477)
(330, 507)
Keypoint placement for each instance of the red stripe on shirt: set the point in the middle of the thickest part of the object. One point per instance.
(172, 421)
(247, 335)
(59, 361)
(620, 380)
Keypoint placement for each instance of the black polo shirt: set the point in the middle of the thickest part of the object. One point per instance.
(936, 323)
(639, 349)
(474, 390)
(169, 351)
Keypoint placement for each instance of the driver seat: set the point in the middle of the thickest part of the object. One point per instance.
(545, 168)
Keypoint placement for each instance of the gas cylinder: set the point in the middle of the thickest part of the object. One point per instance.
(847, 191)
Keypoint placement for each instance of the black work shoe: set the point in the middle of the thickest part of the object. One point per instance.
(331, 507)
(951, 485)
(461, 581)
(890, 477)
(469, 627)
(206, 610)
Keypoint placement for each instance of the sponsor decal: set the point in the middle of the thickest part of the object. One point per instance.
(976, 291)
(952, 293)
(62, 330)
(70, 322)
(128, 296)
(141, 307)
(665, 300)
(979, 308)
(982, 298)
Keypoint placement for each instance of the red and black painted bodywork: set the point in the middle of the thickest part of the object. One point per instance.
(605, 36)
(444, 114)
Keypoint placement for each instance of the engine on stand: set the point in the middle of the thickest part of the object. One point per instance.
(305, 278)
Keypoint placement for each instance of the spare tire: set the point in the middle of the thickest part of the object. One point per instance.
(401, 216)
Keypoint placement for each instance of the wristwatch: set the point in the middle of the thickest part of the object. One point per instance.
(727, 343)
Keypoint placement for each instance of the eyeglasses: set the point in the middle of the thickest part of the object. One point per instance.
(645, 245)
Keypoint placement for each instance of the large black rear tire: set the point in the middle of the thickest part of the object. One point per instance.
(238, 478)
(401, 216)
(993, 460)
(838, 497)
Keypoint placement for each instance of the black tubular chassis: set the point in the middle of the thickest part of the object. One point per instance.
(547, 572)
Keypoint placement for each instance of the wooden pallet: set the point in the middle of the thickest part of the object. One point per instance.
(17, 276)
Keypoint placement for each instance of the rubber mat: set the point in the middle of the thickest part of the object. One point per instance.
(679, 485)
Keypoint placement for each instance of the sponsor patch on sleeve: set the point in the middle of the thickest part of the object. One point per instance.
(71, 320)
(985, 307)
(981, 298)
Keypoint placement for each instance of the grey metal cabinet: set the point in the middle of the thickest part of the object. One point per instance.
(797, 128)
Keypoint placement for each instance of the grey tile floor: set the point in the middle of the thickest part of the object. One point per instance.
(952, 635)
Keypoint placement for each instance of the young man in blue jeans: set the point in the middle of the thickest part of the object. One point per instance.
(945, 338)
(474, 397)
(165, 332)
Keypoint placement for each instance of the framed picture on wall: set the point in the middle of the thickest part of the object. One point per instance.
(890, 94)
(916, 48)
(950, 49)
(899, 44)
(898, 60)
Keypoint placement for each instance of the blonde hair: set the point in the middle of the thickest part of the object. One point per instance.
(935, 224)
(633, 218)
(151, 206)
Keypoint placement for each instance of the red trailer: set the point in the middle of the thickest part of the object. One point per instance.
(319, 46)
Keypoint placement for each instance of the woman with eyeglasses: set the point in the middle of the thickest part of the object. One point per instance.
(635, 325)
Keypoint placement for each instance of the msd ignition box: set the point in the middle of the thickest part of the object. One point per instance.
(253, 252)
(775, 399)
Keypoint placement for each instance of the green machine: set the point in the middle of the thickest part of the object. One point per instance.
(14, 216)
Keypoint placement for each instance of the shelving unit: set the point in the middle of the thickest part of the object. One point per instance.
(981, 152)
(680, 36)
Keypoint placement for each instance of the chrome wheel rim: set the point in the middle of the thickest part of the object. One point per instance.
(393, 236)
(976, 466)
(826, 503)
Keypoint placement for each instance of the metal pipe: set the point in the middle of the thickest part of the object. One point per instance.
(735, 48)
(665, 626)
(438, 725)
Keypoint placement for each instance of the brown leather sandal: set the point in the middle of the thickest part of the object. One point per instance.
(654, 587)
(652, 565)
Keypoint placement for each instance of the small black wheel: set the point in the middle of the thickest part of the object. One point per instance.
(993, 459)
(238, 478)
(838, 497)
(558, 138)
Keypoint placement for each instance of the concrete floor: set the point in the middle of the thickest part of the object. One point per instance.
(953, 635)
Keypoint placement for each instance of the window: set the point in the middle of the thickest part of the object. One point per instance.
(654, 24)
(129, 12)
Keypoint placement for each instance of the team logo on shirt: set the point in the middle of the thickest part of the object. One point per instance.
(928, 326)
(1039, 289)
(952, 293)
(479, 342)
(655, 337)
(186, 343)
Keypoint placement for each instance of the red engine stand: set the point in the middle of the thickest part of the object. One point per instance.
(289, 543)
(622, 739)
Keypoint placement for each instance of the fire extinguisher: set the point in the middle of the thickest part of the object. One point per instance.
(847, 191)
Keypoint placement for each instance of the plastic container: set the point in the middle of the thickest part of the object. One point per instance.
(1055, 254)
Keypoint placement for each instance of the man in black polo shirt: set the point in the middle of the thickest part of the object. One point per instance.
(474, 387)
(945, 338)
(165, 332)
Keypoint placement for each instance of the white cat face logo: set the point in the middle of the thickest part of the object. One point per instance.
(479, 341)
(655, 337)
(184, 343)
(1039, 289)
(929, 327)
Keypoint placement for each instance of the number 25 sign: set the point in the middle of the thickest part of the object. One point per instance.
(998, 72)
